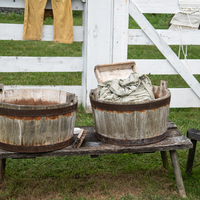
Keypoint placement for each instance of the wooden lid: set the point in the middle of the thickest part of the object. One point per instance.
(114, 71)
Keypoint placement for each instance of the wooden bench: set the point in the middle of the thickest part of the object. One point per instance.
(194, 135)
(92, 146)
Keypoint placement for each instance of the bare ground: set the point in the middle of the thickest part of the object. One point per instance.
(139, 184)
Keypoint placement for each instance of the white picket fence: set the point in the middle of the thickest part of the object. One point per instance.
(105, 37)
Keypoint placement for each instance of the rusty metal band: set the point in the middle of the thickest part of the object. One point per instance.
(139, 142)
(35, 149)
(130, 107)
(38, 113)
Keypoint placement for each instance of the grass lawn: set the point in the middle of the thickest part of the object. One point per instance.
(124, 176)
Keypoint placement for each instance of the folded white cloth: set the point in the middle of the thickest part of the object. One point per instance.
(189, 17)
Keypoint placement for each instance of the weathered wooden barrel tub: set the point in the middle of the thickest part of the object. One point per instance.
(36, 120)
(131, 123)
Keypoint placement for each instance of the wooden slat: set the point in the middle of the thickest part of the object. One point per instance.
(15, 32)
(76, 4)
(78, 90)
(92, 146)
(189, 3)
(120, 35)
(157, 66)
(164, 48)
(171, 37)
(183, 98)
(41, 64)
(97, 45)
(157, 6)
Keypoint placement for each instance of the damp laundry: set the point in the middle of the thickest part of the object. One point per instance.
(63, 20)
(137, 87)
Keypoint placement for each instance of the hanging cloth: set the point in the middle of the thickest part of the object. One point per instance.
(187, 18)
(63, 20)
(188, 15)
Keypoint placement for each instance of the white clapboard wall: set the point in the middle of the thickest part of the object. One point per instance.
(105, 37)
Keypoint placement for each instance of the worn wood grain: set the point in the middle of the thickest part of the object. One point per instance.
(2, 168)
(164, 159)
(92, 146)
(79, 140)
(193, 134)
(190, 159)
(177, 173)
(77, 89)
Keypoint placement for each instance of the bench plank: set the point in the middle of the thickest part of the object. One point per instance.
(92, 146)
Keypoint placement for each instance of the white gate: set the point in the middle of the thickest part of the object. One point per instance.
(105, 36)
(147, 35)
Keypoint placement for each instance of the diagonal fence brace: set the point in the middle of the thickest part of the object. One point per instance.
(164, 48)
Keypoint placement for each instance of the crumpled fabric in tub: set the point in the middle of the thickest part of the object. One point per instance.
(63, 20)
(137, 87)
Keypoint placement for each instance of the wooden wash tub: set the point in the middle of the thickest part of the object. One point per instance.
(130, 123)
(36, 120)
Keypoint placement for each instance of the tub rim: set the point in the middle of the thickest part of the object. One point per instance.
(131, 106)
(9, 109)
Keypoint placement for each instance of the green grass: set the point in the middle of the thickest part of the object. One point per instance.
(13, 18)
(124, 176)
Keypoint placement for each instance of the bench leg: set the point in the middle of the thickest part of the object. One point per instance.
(164, 159)
(191, 157)
(94, 156)
(2, 168)
(177, 174)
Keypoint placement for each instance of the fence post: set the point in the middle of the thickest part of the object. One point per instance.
(97, 44)
(120, 34)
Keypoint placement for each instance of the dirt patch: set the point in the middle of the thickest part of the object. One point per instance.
(139, 184)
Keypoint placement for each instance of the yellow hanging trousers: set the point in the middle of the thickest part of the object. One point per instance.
(63, 20)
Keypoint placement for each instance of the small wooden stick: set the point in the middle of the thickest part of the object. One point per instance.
(177, 174)
(79, 139)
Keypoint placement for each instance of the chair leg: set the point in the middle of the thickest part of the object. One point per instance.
(191, 157)
(164, 159)
(177, 174)
(2, 168)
